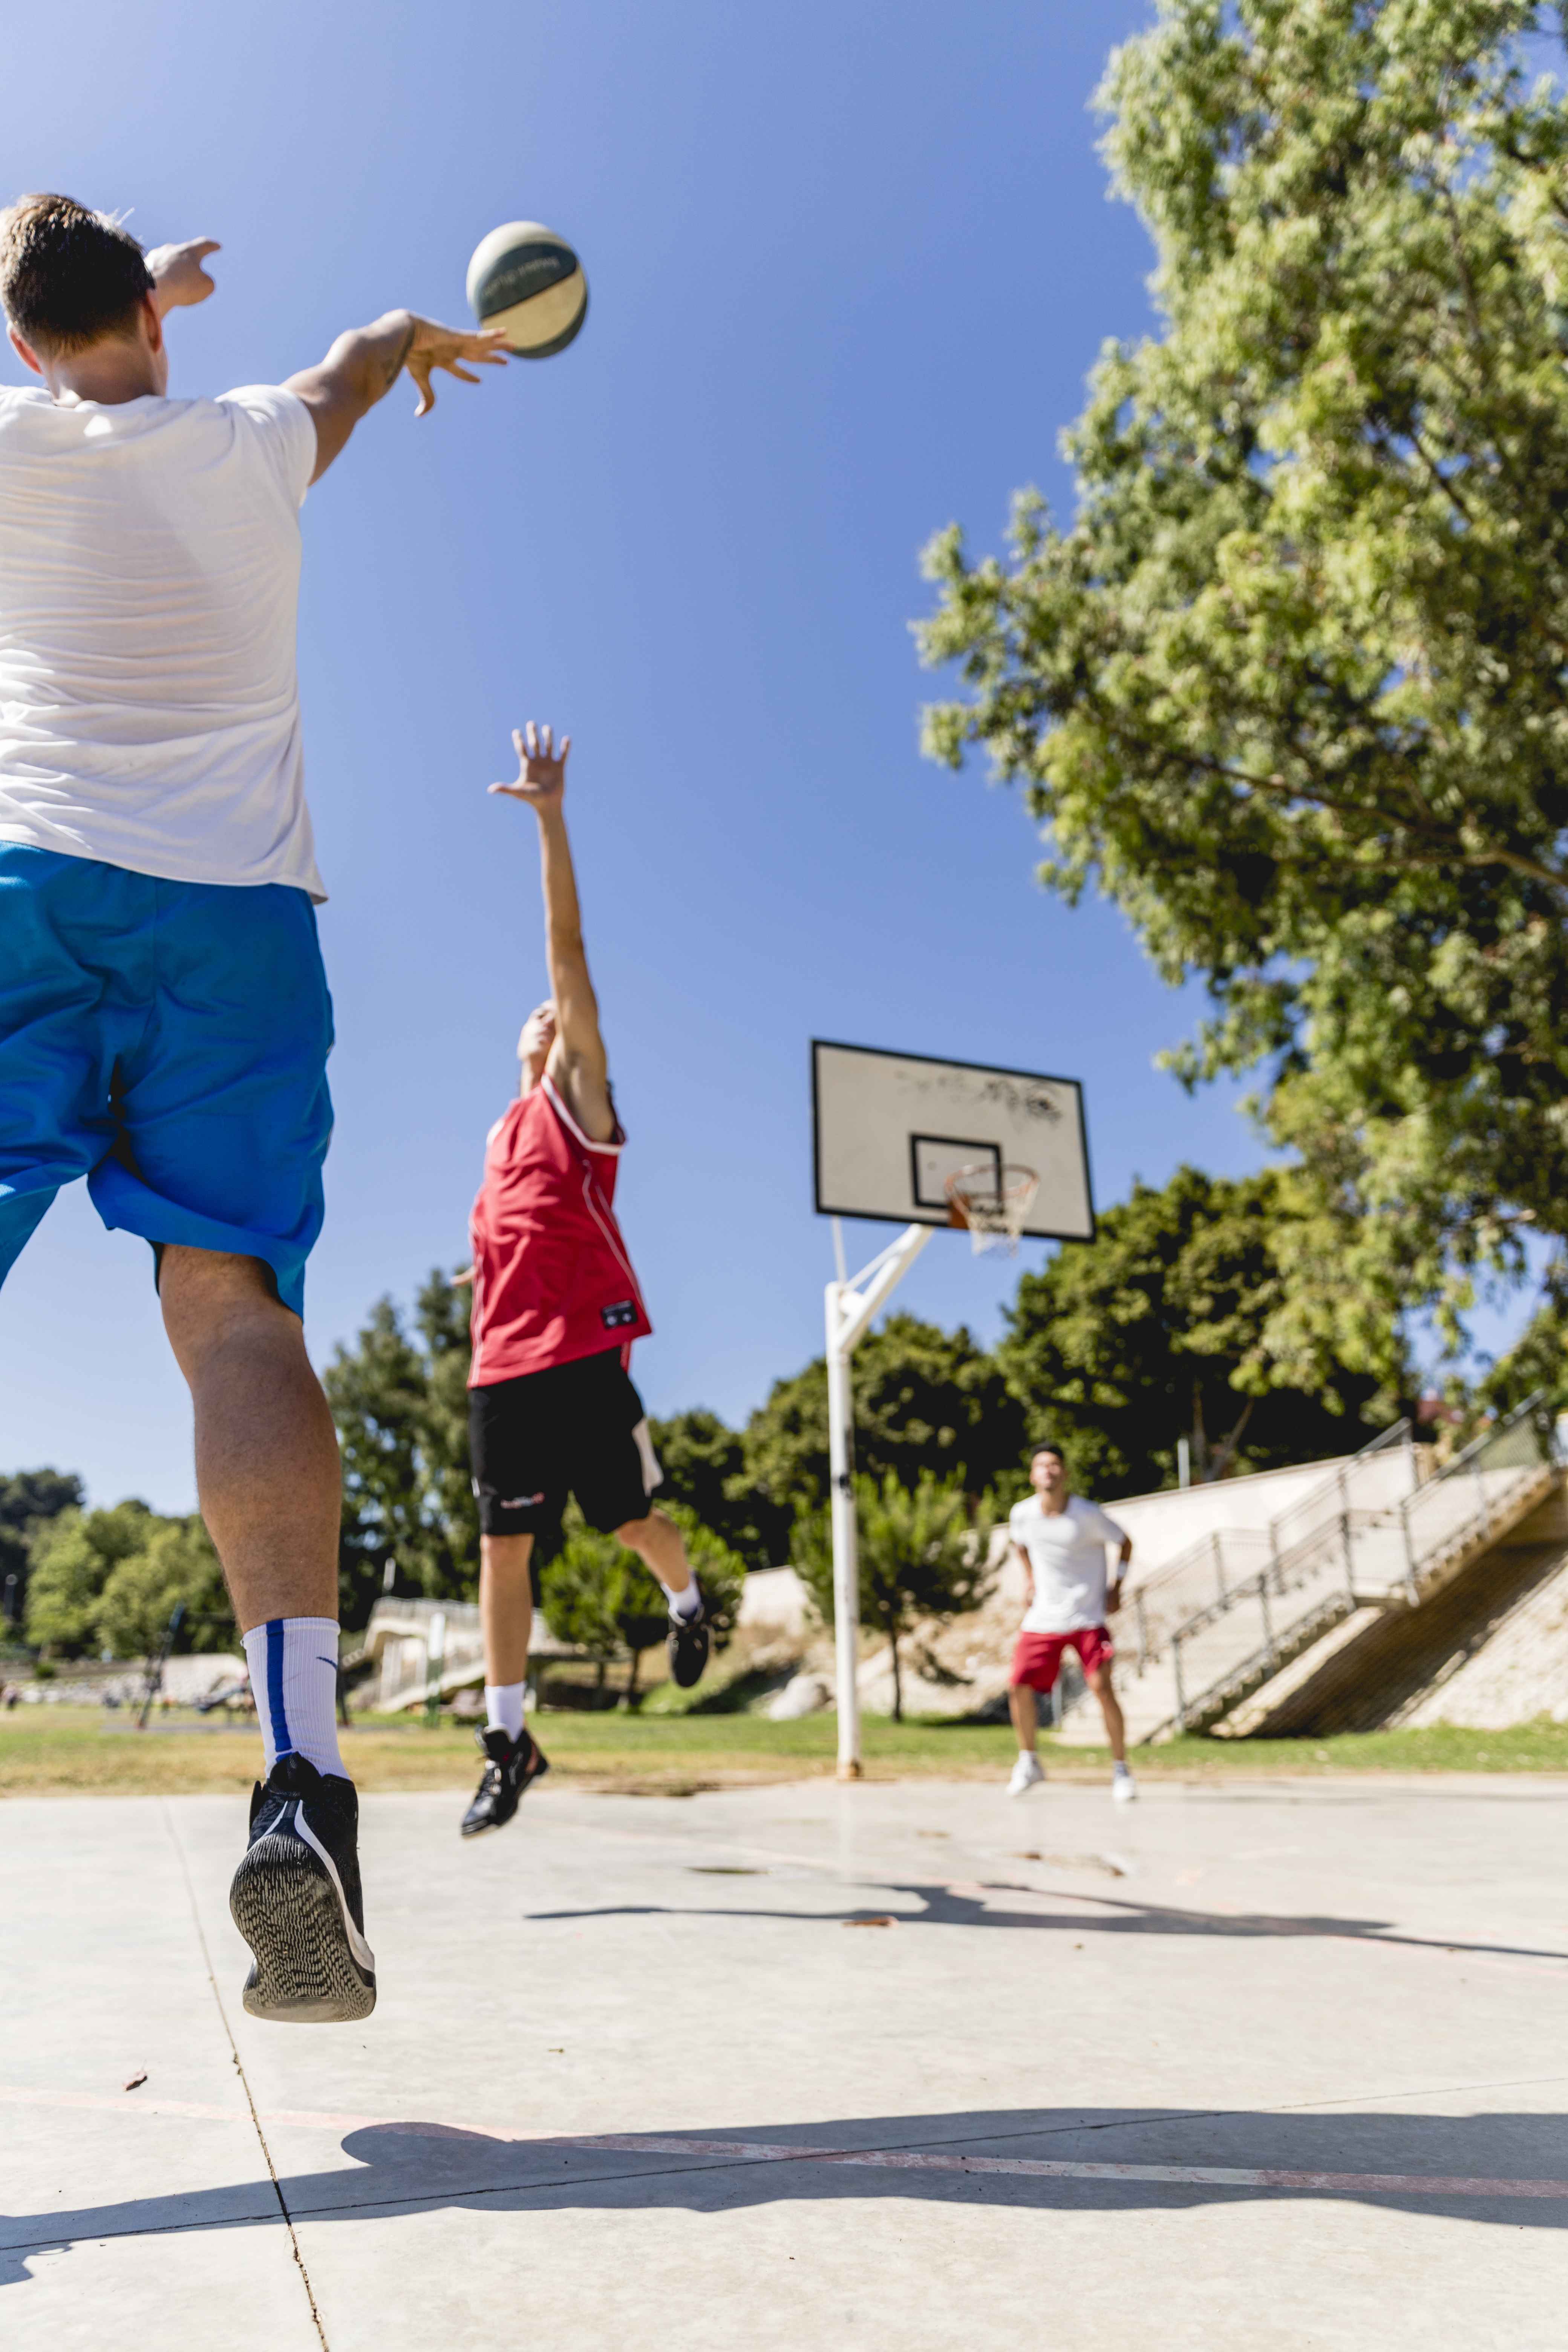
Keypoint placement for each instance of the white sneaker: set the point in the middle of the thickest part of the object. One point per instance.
(1123, 1787)
(1027, 1774)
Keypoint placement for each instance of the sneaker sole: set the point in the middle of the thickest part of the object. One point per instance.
(289, 1911)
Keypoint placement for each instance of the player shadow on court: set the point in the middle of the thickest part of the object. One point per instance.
(965, 1904)
(1024, 2159)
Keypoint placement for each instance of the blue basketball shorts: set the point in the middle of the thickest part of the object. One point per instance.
(168, 1041)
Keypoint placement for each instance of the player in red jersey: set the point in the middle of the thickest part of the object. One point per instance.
(556, 1306)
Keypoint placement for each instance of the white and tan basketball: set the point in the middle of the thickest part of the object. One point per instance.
(526, 280)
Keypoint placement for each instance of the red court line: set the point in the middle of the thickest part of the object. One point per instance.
(748, 2151)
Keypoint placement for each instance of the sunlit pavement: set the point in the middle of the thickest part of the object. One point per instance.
(1265, 2064)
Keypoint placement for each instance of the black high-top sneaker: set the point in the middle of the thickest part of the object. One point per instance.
(510, 1766)
(687, 1642)
(295, 1900)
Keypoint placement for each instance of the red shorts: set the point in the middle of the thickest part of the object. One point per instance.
(1037, 1657)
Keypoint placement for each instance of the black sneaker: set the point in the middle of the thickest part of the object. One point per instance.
(687, 1644)
(295, 1900)
(511, 1765)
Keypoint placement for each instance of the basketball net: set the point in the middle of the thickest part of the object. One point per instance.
(993, 1204)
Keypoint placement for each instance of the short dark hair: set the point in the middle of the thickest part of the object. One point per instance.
(69, 277)
(1047, 1445)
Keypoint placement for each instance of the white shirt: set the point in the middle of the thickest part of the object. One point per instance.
(149, 592)
(1066, 1551)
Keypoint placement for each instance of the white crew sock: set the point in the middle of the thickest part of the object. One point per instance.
(1121, 1771)
(685, 1603)
(293, 1664)
(503, 1707)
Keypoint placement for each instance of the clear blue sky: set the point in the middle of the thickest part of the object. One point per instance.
(848, 264)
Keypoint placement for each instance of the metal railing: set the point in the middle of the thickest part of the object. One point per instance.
(1354, 1549)
(1212, 1574)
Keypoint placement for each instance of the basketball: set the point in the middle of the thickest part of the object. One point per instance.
(526, 280)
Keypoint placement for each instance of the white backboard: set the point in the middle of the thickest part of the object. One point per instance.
(889, 1129)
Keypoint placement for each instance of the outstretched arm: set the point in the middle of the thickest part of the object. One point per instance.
(362, 366)
(576, 1063)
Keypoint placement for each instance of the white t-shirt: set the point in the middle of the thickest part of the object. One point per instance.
(149, 593)
(1067, 1555)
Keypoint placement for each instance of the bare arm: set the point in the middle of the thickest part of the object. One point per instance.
(1113, 1597)
(576, 1066)
(1022, 1556)
(362, 366)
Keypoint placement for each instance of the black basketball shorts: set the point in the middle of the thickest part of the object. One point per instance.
(577, 1428)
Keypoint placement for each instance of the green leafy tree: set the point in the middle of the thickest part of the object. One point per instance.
(704, 1465)
(920, 1554)
(108, 1581)
(175, 1566)
(926, 1402)
(401, 1408)
(27, 1499)
(1168, 1324)
(1538, 1361)
(73, 1557)
(1293, 687)
(584, 1590)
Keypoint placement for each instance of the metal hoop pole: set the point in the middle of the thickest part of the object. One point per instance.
(848, 1312)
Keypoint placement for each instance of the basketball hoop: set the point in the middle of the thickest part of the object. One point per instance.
(993, 1202)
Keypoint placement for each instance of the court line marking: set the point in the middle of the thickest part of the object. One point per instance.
(743, 2151)
(251, 2115)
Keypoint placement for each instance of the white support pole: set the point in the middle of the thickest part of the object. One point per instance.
(849, 1310)
(846, 1555)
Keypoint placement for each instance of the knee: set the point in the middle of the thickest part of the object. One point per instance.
(211, 1298)
(637, 1533)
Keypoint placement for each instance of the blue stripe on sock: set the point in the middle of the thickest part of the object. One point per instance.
(281, 1743)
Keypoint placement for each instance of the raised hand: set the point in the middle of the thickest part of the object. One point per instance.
(178, 277)
(433, 346)
(542, 769)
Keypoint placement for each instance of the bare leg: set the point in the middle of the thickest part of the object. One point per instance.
(269, 1475)
(1111, 1709)
(656, 1543)
(1021, 1700)
(506, 1606)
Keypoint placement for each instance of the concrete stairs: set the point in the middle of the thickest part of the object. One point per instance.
(1230, 1633)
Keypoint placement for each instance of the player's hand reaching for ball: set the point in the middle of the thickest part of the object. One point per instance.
(542, 769)
(433, 346)
(178, 277)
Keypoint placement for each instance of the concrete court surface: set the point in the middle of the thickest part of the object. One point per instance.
(1262, 2063)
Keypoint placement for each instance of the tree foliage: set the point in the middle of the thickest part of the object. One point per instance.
(920, 1554)
(27, 1499)
(1176, 1320)
(927, 1403)
(1293, 686)
(400, 1403)
(704, 1465)
(599, 1596)
(107, 1582)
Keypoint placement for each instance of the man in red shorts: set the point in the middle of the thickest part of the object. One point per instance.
(1061, 1541)
(552, 1409)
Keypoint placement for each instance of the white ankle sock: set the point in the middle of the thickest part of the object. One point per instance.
(293, 1664)
(685, 1603)
(503, 1707)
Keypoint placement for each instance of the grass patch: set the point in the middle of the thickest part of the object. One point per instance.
(48, 1751)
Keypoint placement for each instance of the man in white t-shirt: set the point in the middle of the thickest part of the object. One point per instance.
(1062, 1541)
(165, 1021)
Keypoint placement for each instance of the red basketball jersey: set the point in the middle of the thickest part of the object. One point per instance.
(552, 1277)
